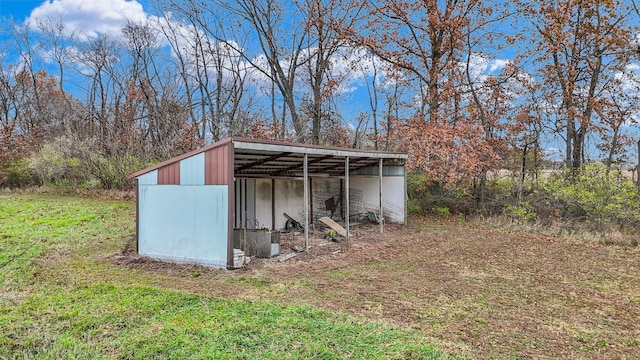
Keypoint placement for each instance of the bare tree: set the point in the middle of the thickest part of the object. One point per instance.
(617, 108)
(213, 72)
(281, 37)
(30, 104)
(325, 21)
(104, 91)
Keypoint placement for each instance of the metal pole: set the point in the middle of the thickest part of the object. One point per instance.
(306, 202)
(381, 219)
(273, 204)
(406, 195)
(346, 198)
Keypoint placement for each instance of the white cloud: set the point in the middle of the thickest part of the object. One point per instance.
(90, 18)
(480, 66)
(350, 67)
(633, 67)
(498, 64)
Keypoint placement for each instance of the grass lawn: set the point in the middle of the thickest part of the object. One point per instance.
(433, 288)
(63, 296)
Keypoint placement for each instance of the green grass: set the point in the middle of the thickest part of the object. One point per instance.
(58, 301)
(140, 322)
(33, 225)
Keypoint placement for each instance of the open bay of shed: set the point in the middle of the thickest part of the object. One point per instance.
(243, 185)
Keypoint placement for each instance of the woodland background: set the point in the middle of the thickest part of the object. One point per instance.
(525, 109)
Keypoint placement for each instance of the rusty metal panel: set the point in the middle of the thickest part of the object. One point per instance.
(169, 175)
(216, 163)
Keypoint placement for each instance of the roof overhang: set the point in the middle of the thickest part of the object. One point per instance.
(259, 158)
(271, 159)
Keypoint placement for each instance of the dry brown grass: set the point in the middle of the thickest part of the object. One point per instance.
(471, 289)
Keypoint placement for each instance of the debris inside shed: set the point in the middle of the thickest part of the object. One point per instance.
(333, 225)
(292, 243)
(286, 257)
(292, 224)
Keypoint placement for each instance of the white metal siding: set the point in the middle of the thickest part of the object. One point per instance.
(263, 203)
(184, 223)
(150, 178)
(192, 170)
(289, 198)
(365, 193)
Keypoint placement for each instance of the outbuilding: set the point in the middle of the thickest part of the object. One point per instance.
(188, 207)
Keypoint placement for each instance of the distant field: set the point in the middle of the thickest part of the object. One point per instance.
(466, 289)
(544, 173)
(62, 296)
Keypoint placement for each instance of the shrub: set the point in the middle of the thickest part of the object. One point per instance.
(55, 164)
(424, 194)
(442, 211)
(502, 188)
(413, 208)
(70, 164)
(111, 172)
(521, 213)
(596, 195)
(17, 174)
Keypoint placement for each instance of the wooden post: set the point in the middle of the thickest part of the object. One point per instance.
(138, 216)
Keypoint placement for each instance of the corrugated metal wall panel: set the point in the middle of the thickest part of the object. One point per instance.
(192, 170)
(149, 178)
(169, 175)
(216, 166)
(186, 224)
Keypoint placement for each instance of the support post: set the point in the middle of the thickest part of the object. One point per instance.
(306, 201)
(273, 204)
(406, 195)
(381, 218)
(346, 197)
(231, 195)
(311, 199)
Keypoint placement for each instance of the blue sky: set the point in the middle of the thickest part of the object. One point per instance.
(85, 16)
(91, 17)
(18, 9)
